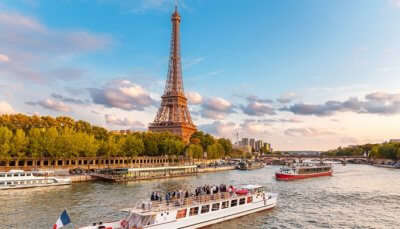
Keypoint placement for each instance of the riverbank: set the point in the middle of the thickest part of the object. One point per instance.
(215, 169)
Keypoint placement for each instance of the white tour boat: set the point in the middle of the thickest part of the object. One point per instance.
(15, 179)
(194, 211)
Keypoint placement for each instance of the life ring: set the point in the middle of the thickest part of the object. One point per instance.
(124, 223)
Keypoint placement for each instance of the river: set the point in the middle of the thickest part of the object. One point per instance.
(356, 196)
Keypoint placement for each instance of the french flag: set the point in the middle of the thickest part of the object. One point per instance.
(62, 221)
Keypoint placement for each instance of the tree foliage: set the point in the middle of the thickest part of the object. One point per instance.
(385, 150)
(63, 137)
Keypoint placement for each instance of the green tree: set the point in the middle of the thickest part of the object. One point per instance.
(18, 144)
(35, 147)
(133, 146)
(5, 137)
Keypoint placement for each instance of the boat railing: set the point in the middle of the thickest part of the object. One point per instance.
(186, 202)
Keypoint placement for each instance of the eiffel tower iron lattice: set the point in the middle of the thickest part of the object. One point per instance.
(173, 114)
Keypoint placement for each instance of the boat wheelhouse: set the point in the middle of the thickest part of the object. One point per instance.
(15, 179)
(195, 211)
(302, 171)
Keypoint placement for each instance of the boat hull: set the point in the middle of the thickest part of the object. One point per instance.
(288, 177)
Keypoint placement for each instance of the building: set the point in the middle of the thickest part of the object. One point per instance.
(252, 143)
(394, 141)
(267, 147)
(173, 114)
(244, 142)
(258, 145)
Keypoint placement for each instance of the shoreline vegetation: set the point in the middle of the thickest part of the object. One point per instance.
(23, 136)
(386, 150)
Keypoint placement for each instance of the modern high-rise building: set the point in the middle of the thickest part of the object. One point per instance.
(258, 145)
(252, 143)
(173, 114)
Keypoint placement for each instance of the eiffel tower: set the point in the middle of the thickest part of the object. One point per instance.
(174, 115)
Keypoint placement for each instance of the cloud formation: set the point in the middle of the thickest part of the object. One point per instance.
(375, 103)
(122, 94)
(4, 58)
(6, 108)
(216, 108)
(307, 132)
(51, 105)
(194, 98)
(287, 98)
(252, 128)
(258, 109)
(29, 43)
(130, 124)
(68, 100)
(218, 128)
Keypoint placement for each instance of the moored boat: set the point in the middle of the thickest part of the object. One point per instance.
(250, 165)
(195, 211)
(16, 179)
(302, 171)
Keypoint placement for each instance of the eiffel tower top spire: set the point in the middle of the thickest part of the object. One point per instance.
(173, 114)
(174, 84)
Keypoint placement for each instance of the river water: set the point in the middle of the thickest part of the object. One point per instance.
(357, 196)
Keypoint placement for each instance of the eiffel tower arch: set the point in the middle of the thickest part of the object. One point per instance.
(173, 115)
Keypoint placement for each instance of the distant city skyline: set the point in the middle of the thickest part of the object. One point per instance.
(307, 74)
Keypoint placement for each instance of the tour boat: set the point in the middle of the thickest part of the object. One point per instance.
(296, 172)
(15, 179)
(194, 211)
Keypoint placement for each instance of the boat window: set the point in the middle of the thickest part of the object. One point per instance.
(205, 209)
(2, 175)
(2, 183)
(225, 204)
(249, 199)
(22, 174)
(233, 203)
(242, 201)
(8, 183)
(181, 213)
(194, 211)
(215, 207)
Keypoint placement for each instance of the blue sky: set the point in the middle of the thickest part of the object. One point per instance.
(301, 74)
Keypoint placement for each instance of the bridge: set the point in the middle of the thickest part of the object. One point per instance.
(297, 158)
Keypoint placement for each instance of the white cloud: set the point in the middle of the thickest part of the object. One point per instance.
(287, 97)
(253, 128)
(258, 109)
(307, 132)
(194, 98)
(216, 108)
(129, 123)
(30, 44)
(220, 129)
(122, 94)
(6, 108)
(4, 58)
(51, 105)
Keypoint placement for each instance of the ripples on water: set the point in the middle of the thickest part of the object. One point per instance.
(357, 196)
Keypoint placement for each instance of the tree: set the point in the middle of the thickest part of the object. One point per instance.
(133, 146)
(18, 144)
(35, 147)
(195, 151)
(5, 137)
(226, 144)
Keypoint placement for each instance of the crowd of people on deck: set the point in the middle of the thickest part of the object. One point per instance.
(199, 191)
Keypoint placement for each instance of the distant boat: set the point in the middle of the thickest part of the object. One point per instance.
(250, 165)
(302, 171)
(16, 179)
